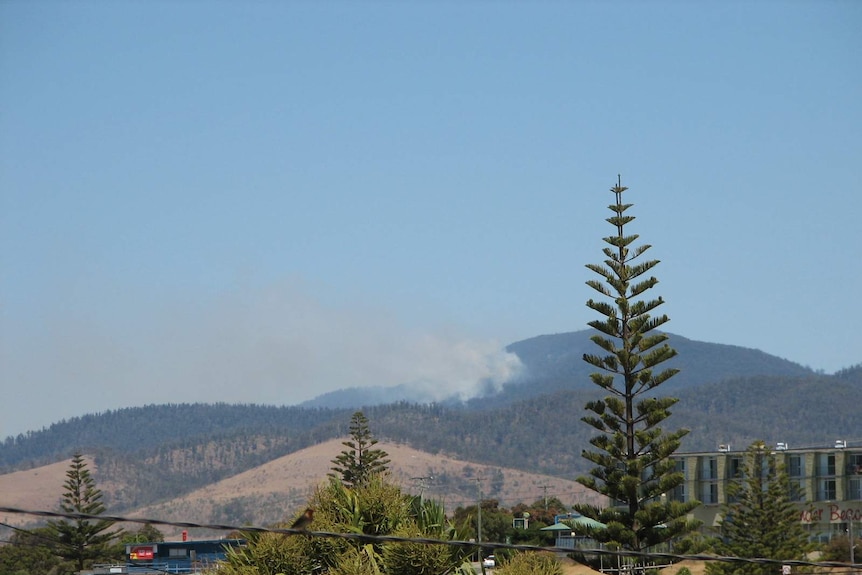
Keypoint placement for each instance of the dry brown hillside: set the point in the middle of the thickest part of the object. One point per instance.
(40, 488)
(277, 489)
(281, 487)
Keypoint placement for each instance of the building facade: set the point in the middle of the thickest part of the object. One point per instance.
(827, 484)
(158, 558)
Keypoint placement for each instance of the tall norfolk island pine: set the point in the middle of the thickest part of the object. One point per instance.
(82, 541)
(633, 456)
(357, 464)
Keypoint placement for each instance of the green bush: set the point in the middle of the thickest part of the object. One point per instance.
(532, 564)
(377, 507)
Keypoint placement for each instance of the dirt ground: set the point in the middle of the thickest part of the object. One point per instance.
(572, 568)
(696, 567)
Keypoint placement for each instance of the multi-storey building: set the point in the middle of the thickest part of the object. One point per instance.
(828, 484)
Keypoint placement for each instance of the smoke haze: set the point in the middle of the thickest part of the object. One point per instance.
(275, 345)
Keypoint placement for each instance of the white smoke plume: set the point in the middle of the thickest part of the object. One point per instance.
(277, 345)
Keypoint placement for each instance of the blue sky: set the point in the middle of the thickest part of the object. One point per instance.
(263, 201)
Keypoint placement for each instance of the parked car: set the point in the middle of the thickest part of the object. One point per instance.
(489, 561)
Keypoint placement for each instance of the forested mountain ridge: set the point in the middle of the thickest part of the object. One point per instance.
(160, 428)
(542, 434)
(152, 433)
(699, 362)
(555, 362)
(158, 451)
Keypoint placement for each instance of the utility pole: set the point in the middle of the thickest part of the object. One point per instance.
(545, 491)
(479, 513)
(423, 483)
(852, 546)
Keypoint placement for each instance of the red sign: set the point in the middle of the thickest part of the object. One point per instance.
(141, 553)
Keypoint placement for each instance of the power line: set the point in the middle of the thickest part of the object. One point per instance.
(428, 541)
(28, 533)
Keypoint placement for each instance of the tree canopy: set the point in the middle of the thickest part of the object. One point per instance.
(632, 455)
(30, 552)
(82, 541)
(356, 464)
(376, 507)
(762, 521)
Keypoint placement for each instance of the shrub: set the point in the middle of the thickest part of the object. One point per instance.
(532, 564)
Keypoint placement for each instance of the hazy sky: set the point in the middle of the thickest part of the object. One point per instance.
(264, 201)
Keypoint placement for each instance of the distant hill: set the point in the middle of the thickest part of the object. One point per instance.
(143, 430)
(851, 374)
(355, 397)
(546, 433)
(727, 394)
(543, 434)
(807, 411)
(555, 362)
(276, 490)
(553, 356)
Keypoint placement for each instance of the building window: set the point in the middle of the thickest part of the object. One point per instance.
(795, 466)
(825, 465)
(708, 473)
(826, 490)
(854, 464)
(709, 493)
(709, 468)
(734, 468)
(678, 492)
(854, 488)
